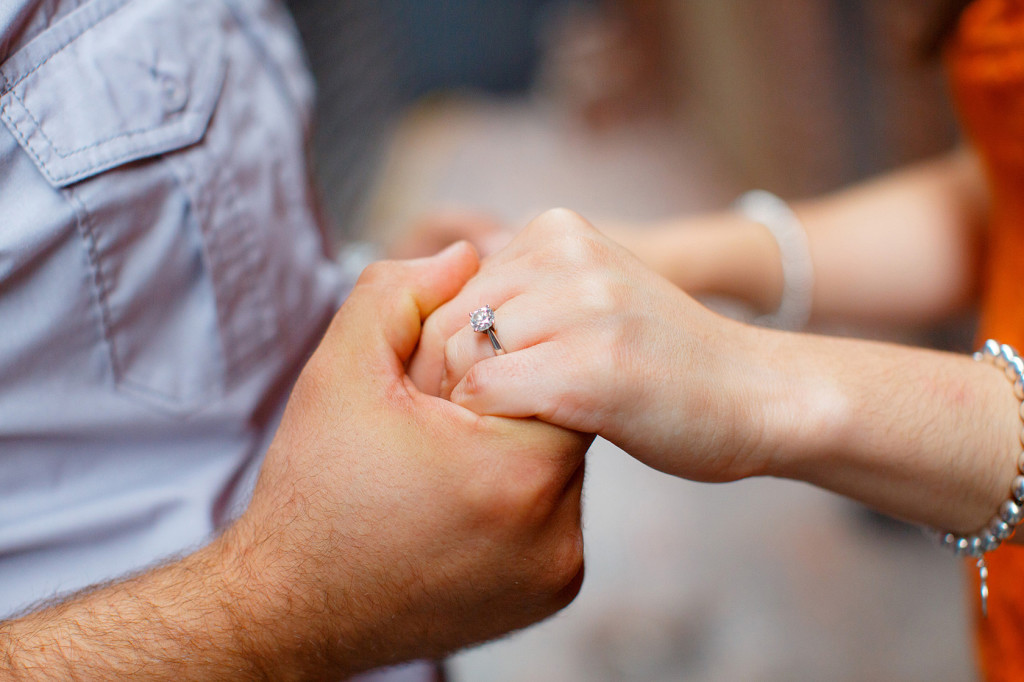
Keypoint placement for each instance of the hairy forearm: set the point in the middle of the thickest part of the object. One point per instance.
(930, 437)
(901, 247)
(199, 618)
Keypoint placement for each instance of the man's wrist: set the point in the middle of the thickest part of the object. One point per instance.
(247, 597)
(219, 613)
(277, 615)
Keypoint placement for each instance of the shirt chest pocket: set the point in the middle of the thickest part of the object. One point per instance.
(112, 104)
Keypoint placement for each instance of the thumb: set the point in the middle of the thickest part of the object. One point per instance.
(394, 297)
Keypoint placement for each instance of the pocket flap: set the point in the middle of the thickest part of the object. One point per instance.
(114, 81)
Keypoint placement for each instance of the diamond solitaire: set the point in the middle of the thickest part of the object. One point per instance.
(482, 319)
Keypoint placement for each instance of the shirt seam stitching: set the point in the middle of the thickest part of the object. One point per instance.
(72, 38)
(65, 155)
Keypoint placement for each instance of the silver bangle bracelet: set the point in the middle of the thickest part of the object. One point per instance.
(1005, 521)
(794, 309)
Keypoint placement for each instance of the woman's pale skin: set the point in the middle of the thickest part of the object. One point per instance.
(604, 341)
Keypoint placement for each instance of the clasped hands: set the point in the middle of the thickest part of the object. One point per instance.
(411, 504)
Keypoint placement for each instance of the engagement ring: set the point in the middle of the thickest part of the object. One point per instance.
(482, 320)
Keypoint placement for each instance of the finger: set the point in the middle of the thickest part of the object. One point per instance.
(564, 543)
(492, 288)
(427, 366)
(519, 323)
(543, 443)
(531, 261)
(554, 457)
(545, 381)
(394, 297)
(466, 348)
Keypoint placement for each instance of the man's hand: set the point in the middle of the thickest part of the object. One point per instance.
(411, 524)
(386, 525)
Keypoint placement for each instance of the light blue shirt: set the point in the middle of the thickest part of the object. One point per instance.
(163, 274)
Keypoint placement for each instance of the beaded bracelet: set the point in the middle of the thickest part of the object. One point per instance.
(1011, 513)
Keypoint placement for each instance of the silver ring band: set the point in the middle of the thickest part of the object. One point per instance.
(482, 320)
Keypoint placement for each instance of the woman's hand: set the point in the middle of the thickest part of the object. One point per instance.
(597, 343)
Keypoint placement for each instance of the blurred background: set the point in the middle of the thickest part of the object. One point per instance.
(634, 110)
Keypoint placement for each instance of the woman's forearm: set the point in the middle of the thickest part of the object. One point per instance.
(926, 436)
(900, 247)
(597, 343)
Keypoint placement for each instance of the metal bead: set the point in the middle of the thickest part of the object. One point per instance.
(961, 546)
(974, 547)
(947, 540)
(1001, 529)
(1005, 356)
(1017, 488)
(1011, 512)
(978, 356)
(991, 348)
(1014, 368)
(989, 542)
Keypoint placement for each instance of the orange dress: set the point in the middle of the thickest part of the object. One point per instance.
(986, 65)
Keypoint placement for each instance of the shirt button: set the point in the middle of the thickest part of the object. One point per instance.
(173, 92)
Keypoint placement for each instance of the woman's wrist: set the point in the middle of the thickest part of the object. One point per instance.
(926, 436)
(702, 416)
(783, 411)
(721, 254)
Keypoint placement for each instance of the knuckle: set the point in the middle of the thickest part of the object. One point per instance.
(471, 383)
(562, 217)
(586, 253)
(572, 254)
(519, 500)
(450, 373)
(378, 272)
(577, 411)
(599, 296)
(570, 590)
(558, 221)
(565, 566)
(431, 335)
